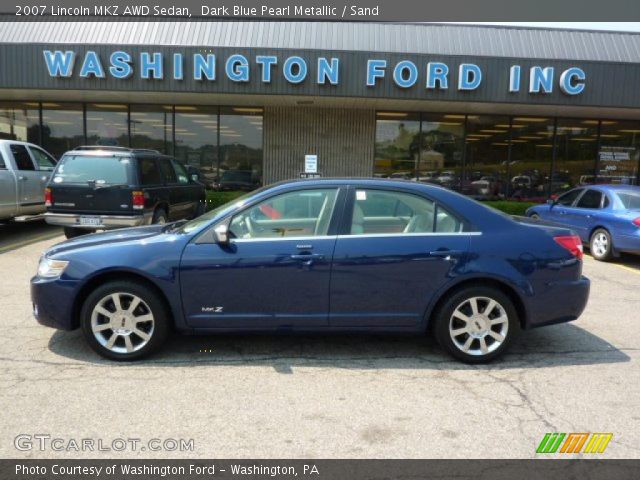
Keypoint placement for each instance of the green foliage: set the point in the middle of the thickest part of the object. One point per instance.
(510, 207)
(215, 199)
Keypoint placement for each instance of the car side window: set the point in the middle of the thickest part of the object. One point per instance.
(168, 172)
(567, 199)
(386, 212)
(293, 214)
(149, 172)
(44, 161)
(3, 165)
(22, 157)
(181, 172)
(590, 199)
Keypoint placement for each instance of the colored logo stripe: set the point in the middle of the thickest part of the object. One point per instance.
(597, 442)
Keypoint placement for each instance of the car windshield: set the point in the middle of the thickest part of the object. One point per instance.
(107, 170)
(630, 200)
(196, 223)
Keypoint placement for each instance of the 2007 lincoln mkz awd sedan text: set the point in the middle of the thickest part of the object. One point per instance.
(364, 255)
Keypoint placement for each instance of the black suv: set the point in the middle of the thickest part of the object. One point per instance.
(96, 188)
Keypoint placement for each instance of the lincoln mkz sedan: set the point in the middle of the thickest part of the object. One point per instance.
(333, 255)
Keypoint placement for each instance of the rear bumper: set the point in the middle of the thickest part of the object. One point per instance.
(105, 221)
(560, 302)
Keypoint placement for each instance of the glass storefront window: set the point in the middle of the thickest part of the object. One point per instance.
(107, 124)
(151, 126)
(530, 161)
(619, 152)
(440, 150)
(197, 140)
(487, 170)
(576, 152)
(240, 165)
(397, 146)
(20, 121)
(62, 127)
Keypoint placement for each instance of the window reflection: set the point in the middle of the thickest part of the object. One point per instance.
(107, 124)
(576, 152)
(20, 121)
(397, 145)
(531, 152)
(240, 166)
(440, 147)
(62, 128)
(487, 166)
(197, 141)
(151, 127)
(619, 152)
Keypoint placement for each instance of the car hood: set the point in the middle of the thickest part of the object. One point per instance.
(113, 236)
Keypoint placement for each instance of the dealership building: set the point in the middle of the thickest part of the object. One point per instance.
(488, 111)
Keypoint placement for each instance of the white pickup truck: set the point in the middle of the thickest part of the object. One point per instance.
(24, 171)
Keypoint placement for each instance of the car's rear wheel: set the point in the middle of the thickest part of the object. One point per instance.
(476, 324)
(124, 320)
(601, 245)
(71, 232)
(534, 216)
(159, 217)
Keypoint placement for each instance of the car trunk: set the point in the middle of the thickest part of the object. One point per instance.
(91, 199)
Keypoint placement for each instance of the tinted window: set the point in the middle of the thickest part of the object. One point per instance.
(168, 172)
(149, 172)
(183, 177)
(568, 198)
(44, 161)
(102, 170)
(377, 211)
(292, 214)
(22, 157)
(630, 200)
(590, 199)
(446, 222)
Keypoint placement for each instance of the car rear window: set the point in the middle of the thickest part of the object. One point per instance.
(630, 200)
(107, 170)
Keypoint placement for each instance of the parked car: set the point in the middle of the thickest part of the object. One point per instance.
(365, 255)
(606, 217)
(101, 188)
(238, 180)
(24, 171)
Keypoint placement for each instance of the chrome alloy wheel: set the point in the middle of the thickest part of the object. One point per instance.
(600, 244)
(478, 326)
(122, 322)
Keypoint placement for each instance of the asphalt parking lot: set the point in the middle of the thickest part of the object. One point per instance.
(321, 396)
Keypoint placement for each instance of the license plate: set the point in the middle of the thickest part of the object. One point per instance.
(93, 221)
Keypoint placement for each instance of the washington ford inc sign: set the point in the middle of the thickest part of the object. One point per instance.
(295, 69)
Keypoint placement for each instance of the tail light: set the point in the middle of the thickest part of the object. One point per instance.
(137, 200)
(571, 243)
(48, 197)
(636, 222)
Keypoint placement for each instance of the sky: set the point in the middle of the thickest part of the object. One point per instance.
(620, 26)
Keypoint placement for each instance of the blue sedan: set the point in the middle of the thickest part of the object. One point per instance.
(318, 255)
(606, 217)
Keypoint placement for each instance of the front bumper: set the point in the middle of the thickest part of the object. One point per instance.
(560, 302)
(105, 222)
(52, 302)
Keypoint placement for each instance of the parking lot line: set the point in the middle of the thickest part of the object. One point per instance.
(28, 241)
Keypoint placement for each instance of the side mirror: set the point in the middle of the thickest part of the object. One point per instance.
(195, 177)
(551, 201)
(221, 233)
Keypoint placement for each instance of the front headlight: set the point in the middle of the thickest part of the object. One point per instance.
(49, 268)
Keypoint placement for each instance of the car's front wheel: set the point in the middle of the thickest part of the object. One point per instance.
(124, 320)
(476, 324)
(601, 245)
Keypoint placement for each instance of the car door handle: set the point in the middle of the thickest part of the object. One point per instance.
(307, 256)
(22, 179)
(446, 253)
